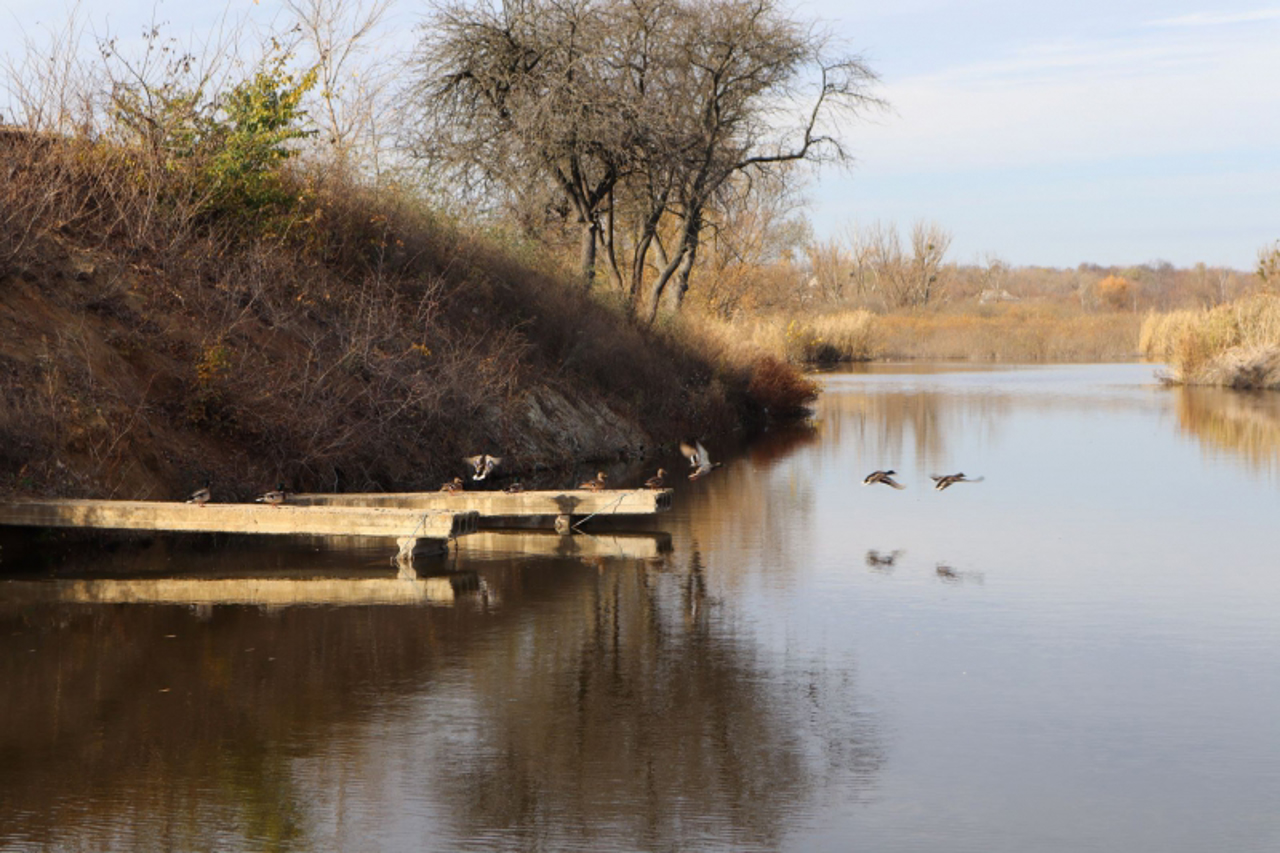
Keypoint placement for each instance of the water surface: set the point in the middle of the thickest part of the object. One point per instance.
(1077, 653)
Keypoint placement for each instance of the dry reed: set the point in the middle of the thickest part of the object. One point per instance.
(798, 339)
(1025, 333)
(1016, 333)
(1235, 345)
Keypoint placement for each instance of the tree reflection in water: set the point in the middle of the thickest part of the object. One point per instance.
(632, 713)
(1246, 425)
(881, 422)
(609, 702)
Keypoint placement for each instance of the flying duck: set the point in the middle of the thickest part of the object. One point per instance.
(698, 459)
(885, 477)
(942, 481)
(483, 464)
(656, 481)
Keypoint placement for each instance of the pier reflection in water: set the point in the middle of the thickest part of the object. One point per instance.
(1076, 653)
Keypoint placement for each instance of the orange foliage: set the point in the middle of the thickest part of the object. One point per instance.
(1116, 292)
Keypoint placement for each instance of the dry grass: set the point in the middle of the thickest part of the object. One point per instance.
(1023, 333)
(1234, 345)
(836, 337)
(797, 339)
(345, 339)
(1012, 333)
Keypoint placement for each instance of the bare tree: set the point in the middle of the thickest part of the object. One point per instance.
(736, 63)
(929, 244)
(636, 110)
(49, 85)
(993, 276)
(1269, 266)
(884, 270)
(832, 269)
(752, 249)
(520, 94)
(350, 85)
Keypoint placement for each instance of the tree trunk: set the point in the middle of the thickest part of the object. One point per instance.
(665, 274)
(589, 236)
(637, 267)
(610, 250)
(648, 238)
(682, 274)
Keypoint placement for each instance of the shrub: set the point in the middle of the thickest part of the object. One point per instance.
(780, 388)
(1116, 292)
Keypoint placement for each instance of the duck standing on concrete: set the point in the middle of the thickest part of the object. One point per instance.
(514, 488)
(656, 481)
(885, 477)
(595, 485)
(275, 497)
(942, 481)
(698, 459)
(453, 487)
(483, 464)
(201, 496)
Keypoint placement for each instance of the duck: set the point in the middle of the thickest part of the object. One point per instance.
(942, 481)
(875, 558)
(483, 464)
(514, 488)
(699, 460)
(201, 496)
(656, 481)
(595, 485)
(453, 486)
(275, 497)
(885, 477)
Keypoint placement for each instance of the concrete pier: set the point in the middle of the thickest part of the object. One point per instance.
(416, 531)
(559, 508)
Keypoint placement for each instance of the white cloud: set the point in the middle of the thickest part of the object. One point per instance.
(1213, 19)
(1168, 93)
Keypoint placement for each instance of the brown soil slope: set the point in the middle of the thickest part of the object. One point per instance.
(349, 342)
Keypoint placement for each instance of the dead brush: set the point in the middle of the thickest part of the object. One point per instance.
(779, 388)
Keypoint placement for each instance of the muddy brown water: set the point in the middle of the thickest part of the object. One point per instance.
(1078, 652)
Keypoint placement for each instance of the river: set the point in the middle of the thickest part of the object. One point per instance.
(1078, 652)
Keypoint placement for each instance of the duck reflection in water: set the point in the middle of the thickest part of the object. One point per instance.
(876, 560)
(948, 574)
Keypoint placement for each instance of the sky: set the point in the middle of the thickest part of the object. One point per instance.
(1040, 133)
